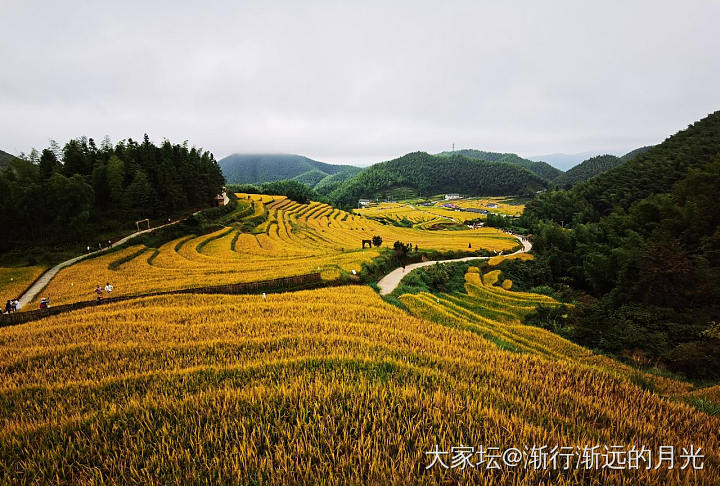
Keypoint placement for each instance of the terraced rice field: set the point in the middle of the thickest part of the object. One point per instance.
(329, 386)
(424, 217)
(295, 239)
(15, 280)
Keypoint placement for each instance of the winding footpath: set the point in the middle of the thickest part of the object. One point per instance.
(45, 278)
(390, 281)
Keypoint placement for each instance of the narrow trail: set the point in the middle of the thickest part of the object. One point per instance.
(46, 277)
(390, 281)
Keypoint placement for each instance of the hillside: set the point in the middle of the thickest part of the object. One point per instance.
(587, 169)
(5, 158)
(543, 169)
(419, 173)
(644, 241)
(594, 166)
(259, 168)
(634, 153)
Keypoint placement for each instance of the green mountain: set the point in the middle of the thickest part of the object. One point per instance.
(259, 168)
(5, 158)
(635, 153)
(542, 169)
(587, 169)
(594, 166)
(643, 239)
(419, 173)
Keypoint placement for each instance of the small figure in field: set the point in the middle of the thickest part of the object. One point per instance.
(8, 307)
(44, 302)
(108, 287)
(16, 305)
(109, 244)
(99, 291)
(99, 246)
(88, 248)
(469, 245)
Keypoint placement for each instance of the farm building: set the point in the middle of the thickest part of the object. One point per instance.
(449, 197)
(218, 200)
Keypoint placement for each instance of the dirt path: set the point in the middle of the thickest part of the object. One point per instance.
(45, 278)
(390, 281)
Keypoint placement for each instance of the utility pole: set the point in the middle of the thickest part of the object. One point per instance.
(453, 148)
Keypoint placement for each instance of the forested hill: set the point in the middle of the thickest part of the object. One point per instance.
(69, 194)
(543, 169)
(643, 239)
(419, 173)
(259, 168)
(594, 166)
(587, 169)
(5, 158)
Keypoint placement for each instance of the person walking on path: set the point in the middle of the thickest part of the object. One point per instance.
(99, 291)
(8, 307)
(108, 287)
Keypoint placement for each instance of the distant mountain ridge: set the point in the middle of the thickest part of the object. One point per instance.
(259, 168)
(420, 173)
(543, 169)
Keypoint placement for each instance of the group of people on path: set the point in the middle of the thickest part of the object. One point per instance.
(100, 246)
(12, 306)
(99, 290)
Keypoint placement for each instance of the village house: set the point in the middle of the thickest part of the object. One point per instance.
(449, 197)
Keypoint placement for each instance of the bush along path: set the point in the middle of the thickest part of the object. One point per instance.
(390, 281)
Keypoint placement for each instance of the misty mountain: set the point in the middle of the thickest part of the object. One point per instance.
(543, 169)
(259, 168)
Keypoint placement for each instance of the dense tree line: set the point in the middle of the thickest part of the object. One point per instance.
(644, 241)
(65, 193)
(429, 174)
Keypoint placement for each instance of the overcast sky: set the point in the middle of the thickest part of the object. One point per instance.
(358, 82)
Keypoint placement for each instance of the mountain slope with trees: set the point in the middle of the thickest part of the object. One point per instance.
(259, 168)
(5, 158)
(424, 174)
(594, 166)
(541, 169)
(70, 193)
(643, 240)
(587, 169)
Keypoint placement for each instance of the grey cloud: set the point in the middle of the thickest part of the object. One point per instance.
(358, 82)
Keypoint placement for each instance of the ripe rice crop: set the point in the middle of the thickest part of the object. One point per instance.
(15, 280)
(295, 239)
(329, 386)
